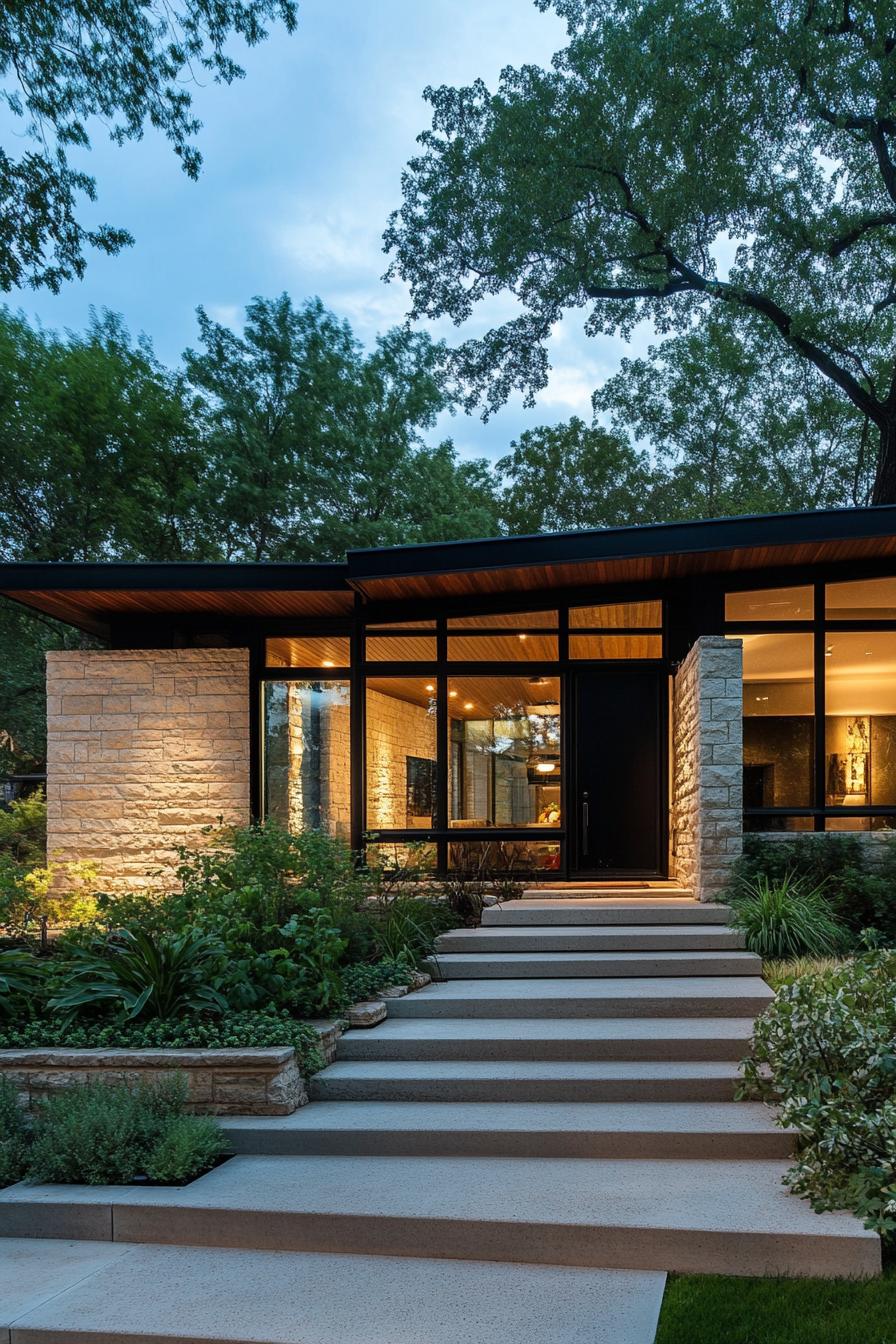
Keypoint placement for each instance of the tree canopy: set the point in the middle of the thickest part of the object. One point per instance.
(677, 155)
(124, 63)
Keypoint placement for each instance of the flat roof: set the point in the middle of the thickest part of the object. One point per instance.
(89, 594)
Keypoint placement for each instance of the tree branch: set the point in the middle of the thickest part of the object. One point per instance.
(839, 245)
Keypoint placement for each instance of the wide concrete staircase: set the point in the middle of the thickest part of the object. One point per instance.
(521, 1150)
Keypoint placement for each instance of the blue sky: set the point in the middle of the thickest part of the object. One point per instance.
(303, 161)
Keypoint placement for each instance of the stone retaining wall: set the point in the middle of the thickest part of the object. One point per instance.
(220, 1082)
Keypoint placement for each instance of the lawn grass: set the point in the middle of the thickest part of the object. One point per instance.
(706, 1309)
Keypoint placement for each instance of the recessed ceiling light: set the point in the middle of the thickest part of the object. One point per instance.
(328, 662)
(452, 695)
(522, 636)
(468, 704)
(429, 686)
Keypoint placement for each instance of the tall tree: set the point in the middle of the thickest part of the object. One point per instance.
(735, 425)
(314, 446)
(562, 477)
(664, 133)
(126, 63)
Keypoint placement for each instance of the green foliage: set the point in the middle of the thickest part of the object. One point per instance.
(13, 1135)
(785, 917)
(362, 982)
(639, 180)
(838, 863)
(779, 973)
(99, 1134)
(71, 64)
(23, 829)
(825, 1052)
(162, 977)
(22, 981)
(223, 1031)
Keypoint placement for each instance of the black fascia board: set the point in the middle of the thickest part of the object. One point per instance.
(113, 575)
(618, 543)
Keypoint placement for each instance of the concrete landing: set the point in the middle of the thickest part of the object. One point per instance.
(656, 996)
(689, 1217)
(551, 1038)
(527, 1129)
(184, 1295)
(527, 1080)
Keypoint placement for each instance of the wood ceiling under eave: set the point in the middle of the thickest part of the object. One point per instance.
(629, 569)
(92, 609)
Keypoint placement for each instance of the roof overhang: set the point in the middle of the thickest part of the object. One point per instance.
(93, 595)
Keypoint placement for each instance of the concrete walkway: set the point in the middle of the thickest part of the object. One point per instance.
(520, 1151)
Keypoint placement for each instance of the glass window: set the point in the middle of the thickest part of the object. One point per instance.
(401, 753)
(771, 604)
(504, 751)
(308, 651)
(860, 719)
(393, 855)
(402, 625)
(401, 648)
(774, 823)
(307, 755)
(863, 599)
(618, 616)
(779, 705)
(512, 620)
(473, 857)
(615, 646)
(521, 647)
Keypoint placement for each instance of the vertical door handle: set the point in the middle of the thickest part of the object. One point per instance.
(584, 823)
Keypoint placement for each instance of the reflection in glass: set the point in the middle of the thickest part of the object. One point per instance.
(307, 755)
(860, 719)
(504, 762)
(871, 599)
(473, 857)
(401, 753)
(779, 705)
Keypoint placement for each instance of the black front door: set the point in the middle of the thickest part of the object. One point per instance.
(618, 783)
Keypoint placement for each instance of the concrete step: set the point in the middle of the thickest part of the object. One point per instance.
(526, 1080)
(656, 996)
(188, 1294)
(708, 1217)
(561, 965)
(679, 1038)
(527, 1129)
(564, 911)
(618, 938)
(608, 891)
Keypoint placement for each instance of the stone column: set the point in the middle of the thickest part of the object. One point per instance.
(707, 772)
(145, 749)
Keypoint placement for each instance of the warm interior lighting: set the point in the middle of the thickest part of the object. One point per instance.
(328, 662)
(468, 704)
(452, 695)
(429, 687)
(521, 637)
(545, 767)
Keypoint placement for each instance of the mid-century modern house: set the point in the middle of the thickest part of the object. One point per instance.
(619, 704)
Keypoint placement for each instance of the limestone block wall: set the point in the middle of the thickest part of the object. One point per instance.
(145, 748)
(707, 765)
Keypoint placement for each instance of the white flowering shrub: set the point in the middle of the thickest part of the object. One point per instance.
(825, 1052)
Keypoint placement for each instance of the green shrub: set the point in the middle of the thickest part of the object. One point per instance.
(100, 1134)
(162, 976)
(825, 1051)
(860, 898)
(13, 1135)
(779, 973)
(224, 1031)
(785, 917)
(189, 1145)
(23, 829)
(365, 980)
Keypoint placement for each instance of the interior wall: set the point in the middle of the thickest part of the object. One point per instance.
(396, 729)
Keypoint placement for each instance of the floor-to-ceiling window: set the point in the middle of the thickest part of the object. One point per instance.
(819, 705)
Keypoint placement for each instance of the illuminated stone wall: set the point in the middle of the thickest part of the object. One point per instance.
(145, 748)
(707, 765)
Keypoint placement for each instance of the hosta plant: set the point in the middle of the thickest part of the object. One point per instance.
(825, 1052)
(150, 976)
(21, 980)
(787, 917)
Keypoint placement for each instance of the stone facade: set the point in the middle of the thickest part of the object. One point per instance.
(707, 765)
(145, 748)
(219, 1082)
